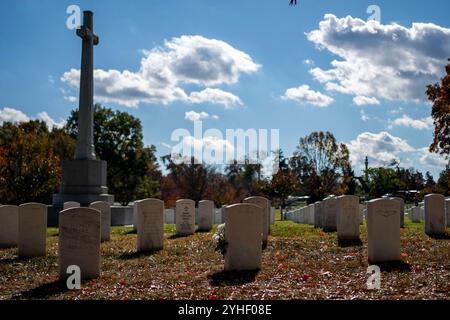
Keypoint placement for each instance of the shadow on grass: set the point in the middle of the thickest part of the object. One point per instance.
(16, 260)
(137, 255)
(232, 278)
(439, 236)
(397, 265)
(329, 230)
(44, 291)
(177, 236)
(202, 231)
(132, 231)
(343, 243)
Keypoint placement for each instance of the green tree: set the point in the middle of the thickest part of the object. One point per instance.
(29, 168)
(118, 139)
(282, 184)
(321, 165)
(383, 181)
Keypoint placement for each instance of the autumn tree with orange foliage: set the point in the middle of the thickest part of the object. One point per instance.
(29, 168)
(439, 95)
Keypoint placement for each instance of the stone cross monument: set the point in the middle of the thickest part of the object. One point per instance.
(84, 178)
(85, 140)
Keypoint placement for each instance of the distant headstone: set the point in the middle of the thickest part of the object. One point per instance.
(32, 230)
(435, 214)
(71, 204)
(311, 214)
(105, 209)
(272, 215)
(401, 203)
(265, 206)
(169, 216)
(348, 218)
(79, 241)
(9, 226)
(330, 209)
(150, 225)
(185, 217)
(422, 211)
(243, 233)
(383, 230)
(206, 211)
(415, 214)
(318, 214)
(361, 214)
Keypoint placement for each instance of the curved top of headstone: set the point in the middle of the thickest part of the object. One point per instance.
(150, 201)
(185, 200)
(434, 195)
(242, 205)
(8, 206)
(256, 197)
(100, 203)
(33, 204)
(77, 211)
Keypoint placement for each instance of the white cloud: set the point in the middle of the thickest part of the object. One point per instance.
(12, 115)
(49, 121)
(364, 116)
(195, 116)
(215, 117)
(70, 98)
(164, 70)
(365, 101)
(309, 62)
(166, 145)
(215, 96)
(304, 95)
(386, 61)
(209, 142)
(17, 116)
(407, 121)
(381, 148)
(432, 159)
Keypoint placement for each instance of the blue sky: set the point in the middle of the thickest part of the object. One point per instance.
(240, 64)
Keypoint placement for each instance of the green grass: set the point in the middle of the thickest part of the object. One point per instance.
(300, 262)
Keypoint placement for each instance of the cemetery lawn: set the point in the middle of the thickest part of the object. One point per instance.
(300, 262)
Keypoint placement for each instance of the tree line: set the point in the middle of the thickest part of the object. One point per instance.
(31, 153)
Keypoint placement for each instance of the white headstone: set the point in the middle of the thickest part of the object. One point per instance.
(32, 230)
(105, 209)
(185, 217)
(311, 214)
(169, 216)
(330, 212)
(272, 215)
(348, 218)
(9, 226)
(401, 203)
(361, 214)
(79, 241)
(383, 230)
(318, 214)
(265, 206)
(415, 214)
(71, 204)
(435, 214)
(150, 225)
(206, 211)
(243, 233)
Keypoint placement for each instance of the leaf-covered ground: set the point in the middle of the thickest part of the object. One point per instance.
(300, 262)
